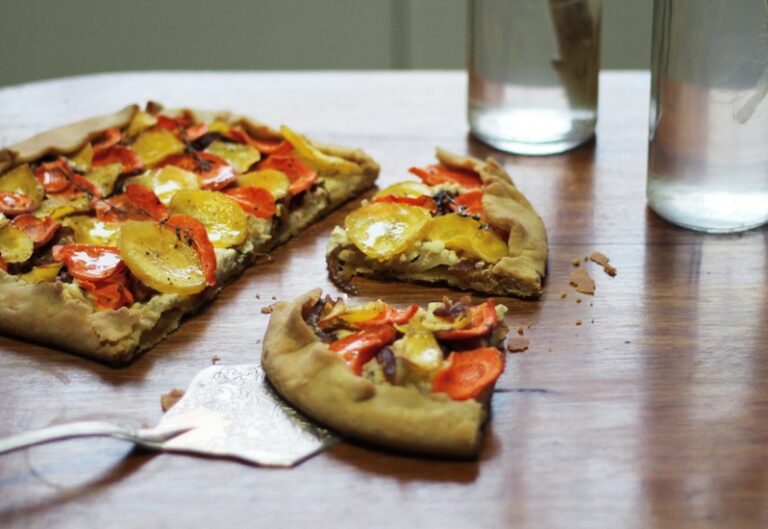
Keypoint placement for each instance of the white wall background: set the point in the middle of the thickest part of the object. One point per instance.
(41, 39)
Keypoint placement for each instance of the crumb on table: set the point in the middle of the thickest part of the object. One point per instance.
(602, 260)
(169, 400)
(582, 281)
(576, 261)
(215, 359)
(267, 309)
(517, 344)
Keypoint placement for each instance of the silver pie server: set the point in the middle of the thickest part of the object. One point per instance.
(228, 411)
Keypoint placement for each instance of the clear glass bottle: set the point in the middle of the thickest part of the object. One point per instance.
(533, 68)
(708, 144)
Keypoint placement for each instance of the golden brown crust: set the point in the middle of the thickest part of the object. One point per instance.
(311, 377)
(63, 140)
(508, 209)
(59, 315)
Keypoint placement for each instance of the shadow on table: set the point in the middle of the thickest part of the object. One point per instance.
(415, 467)
(127, 466)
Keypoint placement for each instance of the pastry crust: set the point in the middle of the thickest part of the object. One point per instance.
(521, 274)
(59, 315)
(311, 377)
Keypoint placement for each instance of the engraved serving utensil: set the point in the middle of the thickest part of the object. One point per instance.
(151, 438)
(228, 411)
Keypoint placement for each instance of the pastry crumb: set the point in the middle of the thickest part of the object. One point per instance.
(169, 400)
(582, 281)
(602, 260)
(267, 309)
(578, 322)
(520, 331)
(576, 261)
(274, 298)
(578, 300)
(517, 344)
(563, 294)
(215, 359)
(258, 297)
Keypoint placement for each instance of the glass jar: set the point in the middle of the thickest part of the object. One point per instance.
(533, 69)
(708, 144)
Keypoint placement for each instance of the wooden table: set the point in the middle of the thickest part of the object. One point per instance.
(651, 413)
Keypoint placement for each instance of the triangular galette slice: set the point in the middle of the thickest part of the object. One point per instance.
(418, 379)
(464, 224)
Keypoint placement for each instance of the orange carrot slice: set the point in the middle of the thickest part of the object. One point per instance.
(439, 174)
(358, 348)
(469, 373)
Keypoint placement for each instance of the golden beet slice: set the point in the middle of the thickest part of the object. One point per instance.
(22, 180)
(410, 189)
(15, 245)
(239, 156)
(274, 181)
(166, 181)
(155, 144)
(461, 233)
(382, 230)
(223, 218)
(317, 159)
(161, 259)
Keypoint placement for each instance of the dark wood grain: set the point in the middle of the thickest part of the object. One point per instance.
(651, 413)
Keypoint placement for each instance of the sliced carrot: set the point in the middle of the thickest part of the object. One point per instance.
(470, 203)
(389, 315)
(137, 202)
(439, 174)
(196, 131)
(358, 348)
(263, 146)
(301, 176)
(90, 262)
(41, 231)
(483, 318)
(15, 204)
(118, 154)
(423, 201)
(108, 295)
(173, 124)
(469, 373)
(108, 138)
(214, 172)
(255, 201)
(55, 176)
(195, 233)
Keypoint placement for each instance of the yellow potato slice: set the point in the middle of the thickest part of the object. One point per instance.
(468, 235)
(274, 181)
(141, 121)
(105, 177)
(22, 180)
(166, 181)
(409, 189)
(153, 145)
(382, 230)
(239, 156)
(317, 159)
(4, 221)
(90, 230)
(60, 207)
(421, 349)
(219, 125)
(83, 159)
(42, 274)
(160, 259)
(224, 219)
(15, 245)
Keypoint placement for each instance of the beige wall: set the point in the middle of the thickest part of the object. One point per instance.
(50, 38)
